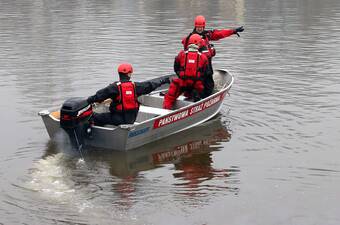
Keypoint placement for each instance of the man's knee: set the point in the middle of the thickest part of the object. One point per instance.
(174, 89)
(199, 86)
(100, 119)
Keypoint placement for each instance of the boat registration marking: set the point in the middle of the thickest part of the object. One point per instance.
(135, 133)
(169, 119)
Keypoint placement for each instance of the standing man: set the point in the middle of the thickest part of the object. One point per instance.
(207, 48)
(124, 105)
(191, 67)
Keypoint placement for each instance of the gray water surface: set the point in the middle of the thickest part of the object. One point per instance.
(271, 157)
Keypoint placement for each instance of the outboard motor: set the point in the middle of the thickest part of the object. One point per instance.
(74, 119)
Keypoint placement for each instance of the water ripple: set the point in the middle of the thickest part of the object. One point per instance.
(282, 114)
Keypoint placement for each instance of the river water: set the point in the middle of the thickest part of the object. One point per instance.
(271, 157)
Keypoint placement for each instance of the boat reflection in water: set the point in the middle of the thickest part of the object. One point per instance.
(187, 155)
(183, 165)
(193, 146)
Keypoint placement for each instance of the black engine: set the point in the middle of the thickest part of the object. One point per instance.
(74, 119)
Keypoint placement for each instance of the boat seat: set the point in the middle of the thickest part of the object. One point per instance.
(153, 110)
(158, 99)
(181, 97)
(55, 115)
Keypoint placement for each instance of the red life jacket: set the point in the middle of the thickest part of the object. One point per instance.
(127, 98)
(191, 65)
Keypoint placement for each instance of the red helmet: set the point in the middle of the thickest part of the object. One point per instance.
(125, 68)
(199, 21)
(195, 39)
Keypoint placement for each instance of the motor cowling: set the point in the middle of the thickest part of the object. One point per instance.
(74, 119)
(73, 112)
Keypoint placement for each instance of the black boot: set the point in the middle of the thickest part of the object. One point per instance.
(195, 96)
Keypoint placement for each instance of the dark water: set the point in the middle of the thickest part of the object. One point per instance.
(270, 158)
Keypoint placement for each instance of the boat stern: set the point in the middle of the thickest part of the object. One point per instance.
(51, 121)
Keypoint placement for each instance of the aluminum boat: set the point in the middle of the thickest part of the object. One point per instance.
(153, 122)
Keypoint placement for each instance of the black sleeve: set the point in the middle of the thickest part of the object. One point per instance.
(146, 87)
(177, 66)
(207, 70)
(107, 92)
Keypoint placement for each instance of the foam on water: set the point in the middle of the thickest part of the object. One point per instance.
(53, 179)
(50, 178)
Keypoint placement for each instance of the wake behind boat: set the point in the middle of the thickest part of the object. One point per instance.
(152, 123)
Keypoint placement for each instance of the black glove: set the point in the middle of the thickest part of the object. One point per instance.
(238, 30)
(165, 80)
